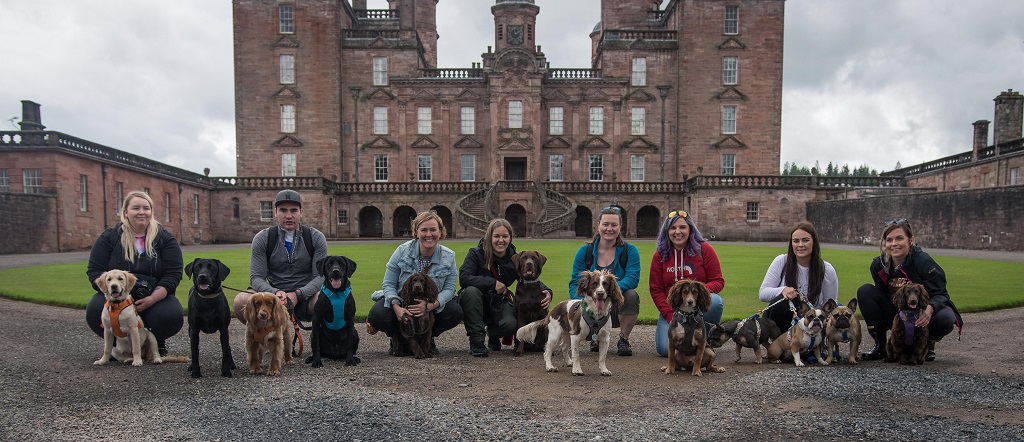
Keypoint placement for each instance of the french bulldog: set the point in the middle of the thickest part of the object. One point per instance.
(843, 326)
(754, 333)
(807, 334)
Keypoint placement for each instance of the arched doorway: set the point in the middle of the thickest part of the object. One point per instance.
(648, 222)
(371, 223)
(401, 222)
(584, 222)
(516, 215)
(446, 217)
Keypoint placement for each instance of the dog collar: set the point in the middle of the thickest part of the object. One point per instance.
(594, 324)
(214, 295)
(529, 281)
(338, 305)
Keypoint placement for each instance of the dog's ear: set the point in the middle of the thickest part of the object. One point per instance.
(829, 306)
(852, 305)
(188, 268)
(704, 297)
(616, 292)
(222, 270)
(516, 259)
(924, 293)
(350, 266)
(541, 259)
(897, 298)
(582, 283)
(250, 308)
(101, 282)
(279, 313)
(320, 270)
(675, 295)
(431, 288)
(129, 282)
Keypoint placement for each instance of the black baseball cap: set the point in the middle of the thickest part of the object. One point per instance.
(288, 196)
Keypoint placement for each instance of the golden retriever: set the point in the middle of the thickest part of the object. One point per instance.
(267, 329)
(122, 322)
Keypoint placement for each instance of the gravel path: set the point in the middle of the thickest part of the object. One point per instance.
(51, 391)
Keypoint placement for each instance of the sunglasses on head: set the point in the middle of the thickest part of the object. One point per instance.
(611, 209)
(679, 213)
(898, 222)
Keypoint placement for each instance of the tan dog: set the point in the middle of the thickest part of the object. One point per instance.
(687, 336)
(267, 329)
(843, 326)
(121, 321)
(807, 334)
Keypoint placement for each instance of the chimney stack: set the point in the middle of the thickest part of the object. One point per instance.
(30, 116)
(980, 137)
(1008, 118)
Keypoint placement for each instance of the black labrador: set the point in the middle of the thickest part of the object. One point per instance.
(208, 311)
(334, 333)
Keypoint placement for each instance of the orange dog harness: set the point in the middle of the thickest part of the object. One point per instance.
(115, 313)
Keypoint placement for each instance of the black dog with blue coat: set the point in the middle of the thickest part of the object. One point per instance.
(334, 334)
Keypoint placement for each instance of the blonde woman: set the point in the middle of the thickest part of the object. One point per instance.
(139, 244)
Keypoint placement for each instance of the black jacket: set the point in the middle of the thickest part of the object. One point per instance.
(474, 271)
(919, 268)
(166, 267)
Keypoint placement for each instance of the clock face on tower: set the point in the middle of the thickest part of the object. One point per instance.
(515, 35)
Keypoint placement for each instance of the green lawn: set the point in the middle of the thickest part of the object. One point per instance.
(974, 284)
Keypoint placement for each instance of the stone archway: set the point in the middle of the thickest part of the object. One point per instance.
(648, 221)
(446, 217)
(584, 226)
(401, 222)
(371, 222)
(516, 215)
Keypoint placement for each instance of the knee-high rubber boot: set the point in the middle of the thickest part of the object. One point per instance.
(877, 352)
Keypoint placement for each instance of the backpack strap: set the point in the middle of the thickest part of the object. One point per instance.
(307, 240)
(623, 255)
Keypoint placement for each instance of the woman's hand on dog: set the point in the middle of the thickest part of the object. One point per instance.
(416, 310)
(925, 317)
(544, 303)
(159, 293)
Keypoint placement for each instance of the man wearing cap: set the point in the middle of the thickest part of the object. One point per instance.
(285, 266)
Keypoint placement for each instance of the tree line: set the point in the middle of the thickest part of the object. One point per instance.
(831, 170)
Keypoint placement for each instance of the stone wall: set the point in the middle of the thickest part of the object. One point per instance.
(29, 223)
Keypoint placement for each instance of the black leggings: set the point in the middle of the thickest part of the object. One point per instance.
(164, 319)
(878, 311)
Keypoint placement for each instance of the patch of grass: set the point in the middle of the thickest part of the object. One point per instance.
(975, 284)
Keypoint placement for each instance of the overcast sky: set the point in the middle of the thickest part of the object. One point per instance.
(866, 82)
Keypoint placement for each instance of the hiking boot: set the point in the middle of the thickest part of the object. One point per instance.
(594, 346)
(477, 349)
(624, 348)
(930, 356)
(494, 342)
(433, 348)
(878, 351)
(161, 347)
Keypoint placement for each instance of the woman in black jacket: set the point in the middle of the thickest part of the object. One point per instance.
(485, 277)
(139, 244)
(902, 262)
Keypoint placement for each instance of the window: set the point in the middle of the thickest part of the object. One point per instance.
(728, 119)
(467, 167)
(423, 126)
(119, 197)
(597, 120)
(288, 118)
(287, 69)
(83, 193)
(638, 118)
(195, 211)
(167, 207)
(424, 166)
(342, 216)
(556, 167)
(728, 164)
(287, 164)
(468, 120)
(380, 120)
(597, 168)
(380, 167)
(1015, 176)
(380, 71)
(753, 211)
(639, 77)
(555, 120)
(515, 114)
(32, 180)
(236, 210)
(146, 190)
(266, 211)
(5, 181)
(732, 20)
(636, 168)
(286, 17)
(730, 70)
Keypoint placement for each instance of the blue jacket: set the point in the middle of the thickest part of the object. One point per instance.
(628, 279)
(403, 264)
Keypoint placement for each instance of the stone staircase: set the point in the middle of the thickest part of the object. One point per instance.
(557, 212)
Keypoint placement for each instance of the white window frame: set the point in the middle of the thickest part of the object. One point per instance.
(266, 211)
(639, 72)
(288, 118)
(5, 180)
(83, 192)
(288, 164)
(728, 164)
(342, 216)
(380, 168)
(287, 68)
(556, 118)
(729, 119)
(596, 167)
(424, 168)
(424, 124)
(638, 121)
(380, 120)
(515, 114)
(32, 181)
(380, 71)
(636, 168)
(556, 167)
(119, 197)
(1015, 176)
(467, 167)
(753, 211)
(167, 207)
(730, 70)
(596, 120)
(732, 20)
(195, 211)
(286, 19)
(468, 121)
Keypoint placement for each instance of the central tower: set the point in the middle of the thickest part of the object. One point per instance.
(514, 24)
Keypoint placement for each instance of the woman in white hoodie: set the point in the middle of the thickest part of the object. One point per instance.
(799, 275)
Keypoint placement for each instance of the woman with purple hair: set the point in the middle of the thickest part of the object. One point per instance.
(683, 253)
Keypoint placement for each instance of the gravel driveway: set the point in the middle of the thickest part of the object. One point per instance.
(51, 391)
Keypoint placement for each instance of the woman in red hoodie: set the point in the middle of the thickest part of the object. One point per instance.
(683, 253)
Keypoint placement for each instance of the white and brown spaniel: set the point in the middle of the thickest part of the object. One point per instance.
(577, 320)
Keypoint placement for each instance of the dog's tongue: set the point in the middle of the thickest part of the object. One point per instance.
(335, 283)
(204, 287)
(600, 304)
(115, 293)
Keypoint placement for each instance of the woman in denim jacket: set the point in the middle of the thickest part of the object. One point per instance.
(423, 252)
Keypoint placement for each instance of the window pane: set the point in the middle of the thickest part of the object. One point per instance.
(732, 20)
(32, 180)
(423, 166)
(639, 77)
(380, 71)
(597, 121)
(636, 167)
(468, 121)
(596, 168)
(728, 164)
(287, 69)
(167, 207)
(728, 119)
(556, 167)
(638, 116)
(5, 181)
(288, 118)
(287, 19)
(423, 126)
(380, 167)
(730, 70)
(753, 211)
(83, 193)
(380, 121)
(468, 168)
(555, 117)
(266, 211)
(342, 216)
(288, 164)
(515, 114)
